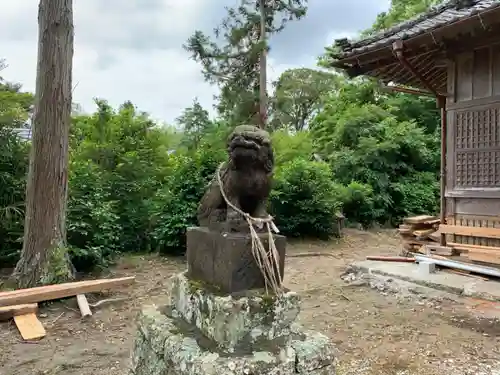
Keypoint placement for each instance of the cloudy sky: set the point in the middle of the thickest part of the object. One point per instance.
(132, 49)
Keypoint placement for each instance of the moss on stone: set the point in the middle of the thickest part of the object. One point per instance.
(199, 286)
(268, 302)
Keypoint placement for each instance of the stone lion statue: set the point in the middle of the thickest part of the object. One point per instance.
(246, 179)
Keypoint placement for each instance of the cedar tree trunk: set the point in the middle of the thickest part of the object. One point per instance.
(44, 257)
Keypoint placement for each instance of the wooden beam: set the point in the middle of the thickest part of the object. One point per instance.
(8, 312)
(398, 48)
(407, 90)
(52, 292)
(470, 231)
(83, 305)
(444, 140)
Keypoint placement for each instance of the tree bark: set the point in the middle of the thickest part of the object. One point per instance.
(263, 67)
(44, 257)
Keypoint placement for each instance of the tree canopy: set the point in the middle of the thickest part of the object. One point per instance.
(341, 145)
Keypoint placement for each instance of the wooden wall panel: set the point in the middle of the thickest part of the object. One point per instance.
(476, 221)
(474, 76)
(481, 73)
(464, 76)
(473, 145)
(495, 52)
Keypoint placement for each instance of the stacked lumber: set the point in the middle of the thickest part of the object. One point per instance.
(22, 304)
(419, 231)
(476, 253)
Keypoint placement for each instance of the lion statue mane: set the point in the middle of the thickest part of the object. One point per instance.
(246, 179)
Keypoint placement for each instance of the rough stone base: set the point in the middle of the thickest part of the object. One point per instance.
(234, 321)
(166, 345)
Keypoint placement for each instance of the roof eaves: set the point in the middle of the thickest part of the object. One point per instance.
(385, 37)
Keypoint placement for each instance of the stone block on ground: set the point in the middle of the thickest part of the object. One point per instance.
(166, 345)
(226, 261)
(234, 321)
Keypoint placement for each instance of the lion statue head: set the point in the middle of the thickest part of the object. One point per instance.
(249, 147)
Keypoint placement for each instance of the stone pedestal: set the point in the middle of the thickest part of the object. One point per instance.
(225, 260)
(205, 332)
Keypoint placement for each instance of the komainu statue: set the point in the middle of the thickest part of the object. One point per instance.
(246, 182)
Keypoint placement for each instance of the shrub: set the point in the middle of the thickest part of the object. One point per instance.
(13, 168)
(416, 195)
(174, 207)
(305, 200)
(359, 205)
(93, 229)
(288, 147)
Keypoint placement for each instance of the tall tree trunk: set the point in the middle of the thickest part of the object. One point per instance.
(263, 67)
(44, 257)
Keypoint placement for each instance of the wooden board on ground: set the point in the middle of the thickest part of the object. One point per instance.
(438, 250)
(51, 292)
(29, 326)
(8, 312)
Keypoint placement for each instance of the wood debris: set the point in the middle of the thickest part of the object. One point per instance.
(390, 259)
(418, 231)
(83, 305)
(8, 312)
(22, 304)
(29, 326)
(58, 291)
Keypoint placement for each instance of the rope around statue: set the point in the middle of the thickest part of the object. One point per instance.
(267, 261)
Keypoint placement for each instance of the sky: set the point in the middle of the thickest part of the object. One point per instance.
(132, 49)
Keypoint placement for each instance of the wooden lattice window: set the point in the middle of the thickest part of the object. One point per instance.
(477, 148)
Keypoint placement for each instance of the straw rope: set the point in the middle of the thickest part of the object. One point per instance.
(266, 260)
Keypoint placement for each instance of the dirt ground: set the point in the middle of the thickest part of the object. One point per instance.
(377, 333)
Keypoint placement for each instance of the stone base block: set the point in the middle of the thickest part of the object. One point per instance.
(165, 345)
(225, 260)
(234, 321)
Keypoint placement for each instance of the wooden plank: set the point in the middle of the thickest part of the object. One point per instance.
(438, 250)
(51, 292)
(432, 222)
(485, 258)
(390, 259)
(8, 312)
(470, 231)
(424, 233)
(421, 219)
(29, 326)
(462, 246)
(83, 305)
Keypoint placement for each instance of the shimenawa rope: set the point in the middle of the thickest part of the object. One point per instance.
(267, 261)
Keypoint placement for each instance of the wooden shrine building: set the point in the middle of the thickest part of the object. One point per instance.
(452, 52)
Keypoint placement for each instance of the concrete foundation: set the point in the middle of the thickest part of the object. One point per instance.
(422, 275)
(203, 332)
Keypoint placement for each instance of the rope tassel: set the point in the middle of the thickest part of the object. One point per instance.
(267, 260)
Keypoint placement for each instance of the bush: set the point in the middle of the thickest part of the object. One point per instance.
(416, 195)
(305, 199)
(176, 203)
(93, 228)
(358, 204)
(288, 147)
(13, 168)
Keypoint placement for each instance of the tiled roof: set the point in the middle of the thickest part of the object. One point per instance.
(443, 15)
